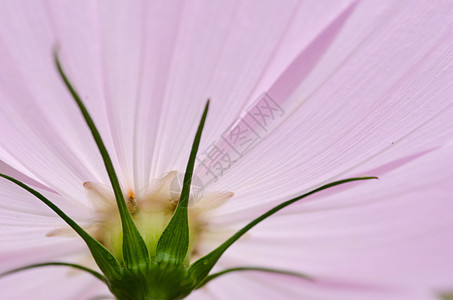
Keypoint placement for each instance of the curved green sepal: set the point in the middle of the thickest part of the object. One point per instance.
(258, 269)
(200, 269)
(135, 253)
(173, 244)
(105, 260)
(48, 264)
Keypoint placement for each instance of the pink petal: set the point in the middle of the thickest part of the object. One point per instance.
(51, 283)
(395, 232)
(52, 136)
(377, 100)
(25, 223)
(368, 102)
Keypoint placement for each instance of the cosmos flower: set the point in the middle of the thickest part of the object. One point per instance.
(326, 90)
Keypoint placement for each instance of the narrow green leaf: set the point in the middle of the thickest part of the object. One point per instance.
(258, 269)
(92, 272)
(201, 268)
(174, 242)
(134, 247)
(105, 260)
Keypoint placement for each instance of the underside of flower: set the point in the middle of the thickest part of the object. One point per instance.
(143, 241)
(151, 209)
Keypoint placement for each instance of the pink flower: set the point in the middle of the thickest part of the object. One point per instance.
(360, 88)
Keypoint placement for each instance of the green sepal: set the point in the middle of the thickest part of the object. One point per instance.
(105, 260)
(200, 269)
(135, 253)
(49, 264)
(258, 269)
(173, 244)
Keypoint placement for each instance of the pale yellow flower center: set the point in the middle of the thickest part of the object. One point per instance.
(151, 209)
